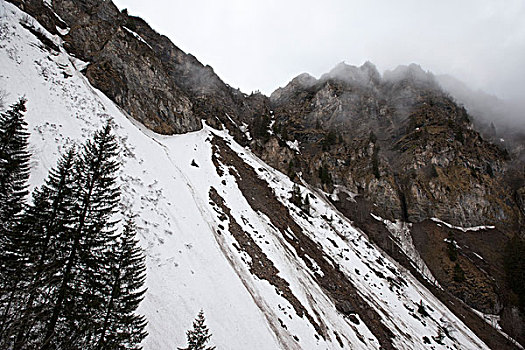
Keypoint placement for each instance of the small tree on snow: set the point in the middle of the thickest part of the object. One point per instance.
(296, 198)
(199, 335)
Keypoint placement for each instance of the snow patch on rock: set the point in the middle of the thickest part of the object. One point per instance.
(464, 229)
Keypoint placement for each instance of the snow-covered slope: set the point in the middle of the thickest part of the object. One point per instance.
(194, 259)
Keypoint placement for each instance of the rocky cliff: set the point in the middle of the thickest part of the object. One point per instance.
(154, 81)
(400, 147)
(397, 140)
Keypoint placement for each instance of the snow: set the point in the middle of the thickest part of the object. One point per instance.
(355, 252)
(192, 263)
(62, 31)
(478, 256)
(464, 229)
(270, 127)
(137, 36)
(294, 146)
(78, 64)
(403, 238)
(338, 189)
(245, 129)
(493, 321)
(233, 122)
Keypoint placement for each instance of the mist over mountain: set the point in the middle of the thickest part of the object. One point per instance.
(495, 118)
(508, 115)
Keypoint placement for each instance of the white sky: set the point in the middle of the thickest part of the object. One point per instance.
(261, 45)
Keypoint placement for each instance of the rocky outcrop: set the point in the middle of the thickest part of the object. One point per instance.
(142, 71)
(398, 140)
(406, 151)
(121, 63)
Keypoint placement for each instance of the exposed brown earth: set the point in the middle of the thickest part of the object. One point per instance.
(359, 210)
(399, 141)
(337, 285)
(260, 265)
(403, 144)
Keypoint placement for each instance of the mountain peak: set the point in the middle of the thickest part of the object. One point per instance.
(365, 75)
(412, 72)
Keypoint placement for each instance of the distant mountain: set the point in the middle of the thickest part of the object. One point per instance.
(400, 141)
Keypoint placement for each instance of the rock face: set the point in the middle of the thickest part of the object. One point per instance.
(399, 141)
(407, 152)
(158, 84)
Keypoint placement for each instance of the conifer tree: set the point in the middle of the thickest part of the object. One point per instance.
(43, 236)
(306, 204)
(199, 335)
(14, 163)
(122, 328)
(296, 197)
(14, 174)
(81, 290)
(78, 283)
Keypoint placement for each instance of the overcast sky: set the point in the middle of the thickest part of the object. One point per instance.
(261, 45)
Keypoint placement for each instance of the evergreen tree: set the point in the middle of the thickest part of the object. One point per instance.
(459, 274)
(375, 162)
(14, 164)
(514, 263)
(43, 236)
(296, 197)
(306, 204)
(324, 175)
(81, 290)
(261, 125)
(14, 174)
(122, 328)
(329, 140)
(199, 335)
(73, 282)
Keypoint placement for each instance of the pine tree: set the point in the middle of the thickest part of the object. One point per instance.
(329, 140)
(81, 290)
(375, 162)
(14, 174)
(199, 335)
(296, 197)
(306, 204)
(324, 175)
(14, 164)
(43, 236)
(122, 328)
(514, 263)
(76, 284)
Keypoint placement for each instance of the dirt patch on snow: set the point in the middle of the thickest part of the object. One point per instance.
(336, 284)
(260, 265)
(431, 246)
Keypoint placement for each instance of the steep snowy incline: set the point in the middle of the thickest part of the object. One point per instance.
(206, 246)
(186, 270)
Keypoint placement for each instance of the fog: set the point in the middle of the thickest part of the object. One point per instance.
(508, 116)
(261, 45)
